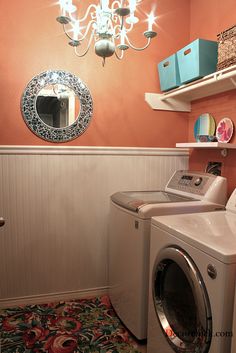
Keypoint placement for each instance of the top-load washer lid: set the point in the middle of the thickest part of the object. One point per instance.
(134, 200)
(182, 188)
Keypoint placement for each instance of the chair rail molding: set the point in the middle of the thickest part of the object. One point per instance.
(92, 150)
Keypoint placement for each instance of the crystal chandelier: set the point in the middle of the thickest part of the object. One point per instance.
(108, 25)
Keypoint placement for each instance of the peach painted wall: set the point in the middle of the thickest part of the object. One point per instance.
(32, 41)
(207, 19)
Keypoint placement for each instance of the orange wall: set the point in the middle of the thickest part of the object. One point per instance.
(32, 42)
(208, 18)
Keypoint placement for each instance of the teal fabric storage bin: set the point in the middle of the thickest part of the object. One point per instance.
(169, 73)
(197, 59)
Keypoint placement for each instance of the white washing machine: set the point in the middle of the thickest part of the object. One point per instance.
(129, 237)
(192, 282)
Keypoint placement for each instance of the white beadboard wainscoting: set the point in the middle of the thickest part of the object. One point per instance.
(55, 201)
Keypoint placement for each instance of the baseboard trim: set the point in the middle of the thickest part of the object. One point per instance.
(52, 297)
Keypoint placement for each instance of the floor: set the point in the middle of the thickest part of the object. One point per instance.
(142, 347)
(82, 326)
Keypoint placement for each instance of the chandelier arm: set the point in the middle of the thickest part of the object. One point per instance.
(87, 30)
(118, 26)
(122, 23)
(65, 31)
(116, 35)
(87, 49)
(119, 57)
(113, 5)
(87, 12)
(138, 49)
(83, 37)
(130, 28)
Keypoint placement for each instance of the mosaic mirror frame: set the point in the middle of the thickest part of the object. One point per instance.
(32, 118)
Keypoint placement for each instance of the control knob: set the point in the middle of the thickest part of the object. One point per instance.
(2, 221)
(198, 181)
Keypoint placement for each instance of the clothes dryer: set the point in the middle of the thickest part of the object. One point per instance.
(192, 282)
(129, 237)
(233, 343)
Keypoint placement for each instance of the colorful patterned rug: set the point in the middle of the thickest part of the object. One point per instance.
(78, 326)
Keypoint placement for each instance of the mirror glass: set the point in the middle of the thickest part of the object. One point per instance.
(57, 106)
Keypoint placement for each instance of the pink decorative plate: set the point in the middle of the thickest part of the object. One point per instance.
(224, 130)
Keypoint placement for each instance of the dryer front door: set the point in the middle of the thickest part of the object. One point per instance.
(181, 302)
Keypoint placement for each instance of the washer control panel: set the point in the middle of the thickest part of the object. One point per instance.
(191, 182)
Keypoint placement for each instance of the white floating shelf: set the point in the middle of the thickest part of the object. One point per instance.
(180, 99)
(220, 145)
(224, 147)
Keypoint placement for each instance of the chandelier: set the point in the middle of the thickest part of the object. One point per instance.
(108, 25)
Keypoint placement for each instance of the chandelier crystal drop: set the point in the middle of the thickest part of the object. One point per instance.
(107, 23)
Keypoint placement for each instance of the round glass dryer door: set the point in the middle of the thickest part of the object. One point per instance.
(181, 302)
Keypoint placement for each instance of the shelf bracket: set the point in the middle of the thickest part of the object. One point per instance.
(233, 81)
(216, 76)
(159, 102)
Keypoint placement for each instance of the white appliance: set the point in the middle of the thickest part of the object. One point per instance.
(129, 237)
(233, 344)
(192, 282)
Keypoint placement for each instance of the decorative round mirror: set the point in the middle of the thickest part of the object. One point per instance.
(57, 106)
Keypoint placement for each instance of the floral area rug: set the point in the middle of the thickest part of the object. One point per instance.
(83, 326)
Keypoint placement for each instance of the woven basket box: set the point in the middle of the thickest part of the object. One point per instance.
(226, 48)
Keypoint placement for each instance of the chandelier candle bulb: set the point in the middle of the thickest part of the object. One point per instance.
(104, 24)
(76, 30)
(132, 6)
(122, 37)
(151, 20)
(105, 5)
(62, 4)
(70, 7)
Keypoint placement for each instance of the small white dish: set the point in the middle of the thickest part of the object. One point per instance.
(224, 130)
(204, 125)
